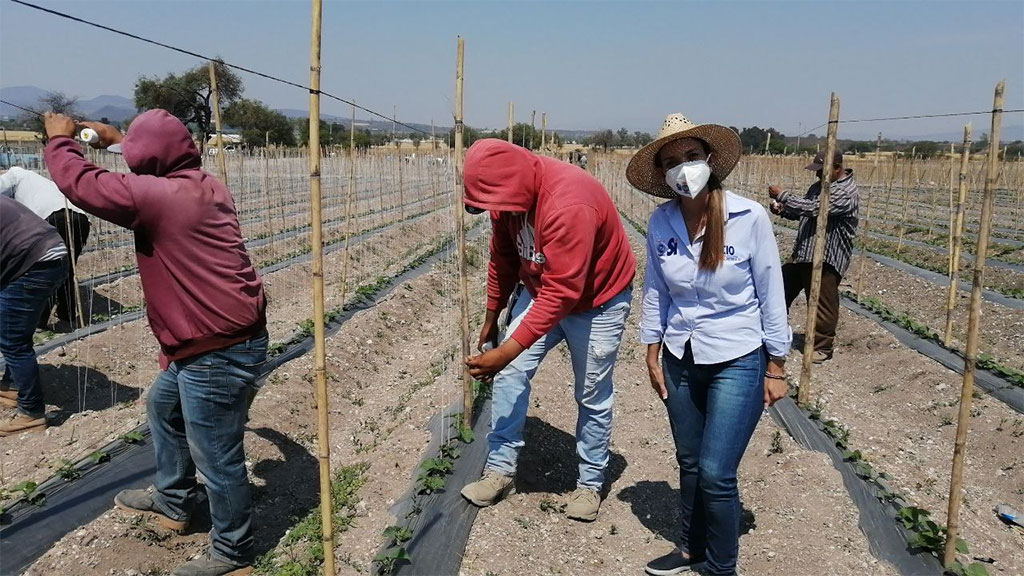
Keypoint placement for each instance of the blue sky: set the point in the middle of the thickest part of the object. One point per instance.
(587, 64)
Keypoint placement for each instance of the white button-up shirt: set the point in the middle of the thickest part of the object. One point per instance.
(724, 314)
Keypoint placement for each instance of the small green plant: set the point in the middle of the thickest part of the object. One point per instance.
(398, 534)
(389, 559)
(777, 447)
(132, 437)
(99, 457)
(28, 491)
(67, 470)
(550, 506)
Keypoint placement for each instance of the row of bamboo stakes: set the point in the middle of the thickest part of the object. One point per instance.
(974, 318)
(804, 390)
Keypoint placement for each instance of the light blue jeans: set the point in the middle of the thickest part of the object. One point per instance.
(593, 338)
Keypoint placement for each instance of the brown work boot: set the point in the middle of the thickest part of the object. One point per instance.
(8, 397)
(141, 501)
(490, 489)
(22, 423)
(207, 565)
(583, 505)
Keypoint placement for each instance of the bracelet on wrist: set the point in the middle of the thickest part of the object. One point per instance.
(774, 376)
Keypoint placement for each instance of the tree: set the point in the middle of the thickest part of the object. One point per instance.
(416, 138)
(469, 135)
(187, 95)
(57, 102)
(642, 139)
(325, 132)
(623, 138)
(258, 123)
(604, 138)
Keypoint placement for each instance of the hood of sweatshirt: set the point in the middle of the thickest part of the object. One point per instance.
(158, 144)
(501, 177)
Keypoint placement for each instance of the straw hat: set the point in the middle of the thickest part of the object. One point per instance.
(645, 175)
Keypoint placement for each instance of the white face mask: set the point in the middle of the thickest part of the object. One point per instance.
(688, 178)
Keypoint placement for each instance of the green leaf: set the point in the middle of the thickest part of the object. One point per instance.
(976, 569)
(961, 546)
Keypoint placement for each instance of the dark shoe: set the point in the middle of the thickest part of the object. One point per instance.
(671, 563)
(22, 423)
(141, 501)
(207, 565)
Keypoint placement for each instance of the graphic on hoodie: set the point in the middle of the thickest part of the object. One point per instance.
(526, 242)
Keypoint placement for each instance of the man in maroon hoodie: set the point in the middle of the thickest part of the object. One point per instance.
(207, 309)
(556, 230)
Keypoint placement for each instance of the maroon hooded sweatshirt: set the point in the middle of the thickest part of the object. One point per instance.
(202, 292)
(555, 228)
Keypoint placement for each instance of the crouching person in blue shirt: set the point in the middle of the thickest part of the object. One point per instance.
(714, 309)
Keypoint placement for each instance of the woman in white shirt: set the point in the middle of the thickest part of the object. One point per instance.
(714, 310)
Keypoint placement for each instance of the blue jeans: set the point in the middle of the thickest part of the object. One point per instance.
(21, 305)
(593, 338)
(197, 409)
(713, 410)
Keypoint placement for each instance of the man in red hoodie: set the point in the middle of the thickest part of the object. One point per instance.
(556, 230)
(207, 309)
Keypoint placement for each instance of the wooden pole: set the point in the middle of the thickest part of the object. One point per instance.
(543, 130)
(956, 230)
(867, 218)
(966, 392)
(348, 200)
(804, 392)
(216, 120)
(511, 119)
(319, 349)
(906, 200)
(460, 224)
(533, 121)
(952, 210)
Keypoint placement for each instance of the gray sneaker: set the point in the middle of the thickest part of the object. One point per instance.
(207, 565)
(489, 489)
(141, 501)
(583, 504)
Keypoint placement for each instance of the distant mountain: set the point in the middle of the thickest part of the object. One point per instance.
(115, 108)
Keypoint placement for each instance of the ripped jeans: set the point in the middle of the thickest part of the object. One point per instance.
(593, 338)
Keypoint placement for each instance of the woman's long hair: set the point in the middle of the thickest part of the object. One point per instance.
(712, 254)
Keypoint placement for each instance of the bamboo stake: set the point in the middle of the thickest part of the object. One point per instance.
(543, 130)
(906, 199)
(867, 218)
(963, 419)
(533, 121)
(956, 230)
(460, 224)
(348, 200)
(952, 209)
(319, 350)
(804, 392)
(511, 120)
(216, 119)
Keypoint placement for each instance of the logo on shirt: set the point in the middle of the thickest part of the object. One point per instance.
(668, 248)
(730, 254)
(526, 243)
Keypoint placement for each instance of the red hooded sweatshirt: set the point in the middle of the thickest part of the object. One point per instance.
(555, 228)
(202, 292)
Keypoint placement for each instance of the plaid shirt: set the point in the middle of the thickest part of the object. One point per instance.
(842, 221)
